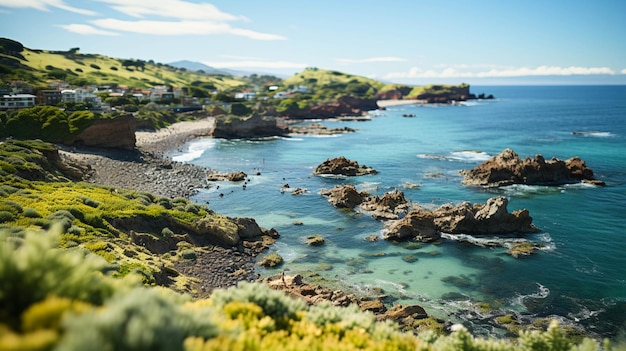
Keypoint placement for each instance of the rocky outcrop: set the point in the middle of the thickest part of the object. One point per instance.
(389, 206)
(118, 133)
(318, 129)
(231, 177)
(342, 166)
(449, 94)
(230, 231)
(343, 106)
(508, 168)
(344, 196)
(253, 127)
(478, 219)
(294, 286)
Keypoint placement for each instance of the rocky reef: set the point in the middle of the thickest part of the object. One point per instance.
(405, 221)
(342, 166)
(407, 316)
(478, 219)
(508, 168)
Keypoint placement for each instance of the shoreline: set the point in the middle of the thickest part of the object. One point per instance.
(148, 169)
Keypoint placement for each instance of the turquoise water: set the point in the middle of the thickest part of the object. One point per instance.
(580, 275)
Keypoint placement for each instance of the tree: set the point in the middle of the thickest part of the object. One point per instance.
(239, 109)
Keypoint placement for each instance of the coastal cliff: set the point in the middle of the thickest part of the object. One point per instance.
(253, 127)
(117, 133)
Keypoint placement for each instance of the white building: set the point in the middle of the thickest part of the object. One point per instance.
(248, 95)
(78, 95)
(16, 101)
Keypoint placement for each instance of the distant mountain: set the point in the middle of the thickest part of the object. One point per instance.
(198, 66)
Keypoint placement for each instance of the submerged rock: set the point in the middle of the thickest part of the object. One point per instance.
(508, 168)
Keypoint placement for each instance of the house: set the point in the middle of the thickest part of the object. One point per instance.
(16, 101)
(78, 95)
(49, 97)
(247, 95)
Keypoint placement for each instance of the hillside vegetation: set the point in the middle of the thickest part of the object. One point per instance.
(39, 67)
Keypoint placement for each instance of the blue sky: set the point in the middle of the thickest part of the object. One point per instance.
(412, 41)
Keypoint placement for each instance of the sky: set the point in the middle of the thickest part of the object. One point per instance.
(412, 42)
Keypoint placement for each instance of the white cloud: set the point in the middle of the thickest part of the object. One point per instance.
(623, 71)
(171, 8)
(255, 64)
(181, 28)
(466, 72)
(45, 5)
(371, 60)
(86, 29)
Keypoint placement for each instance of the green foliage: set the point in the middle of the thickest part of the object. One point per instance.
(239, 109)
(31, 268)
(142, 319)
(273, 303)
(47, 123)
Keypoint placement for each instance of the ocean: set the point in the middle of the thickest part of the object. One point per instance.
(579, 277)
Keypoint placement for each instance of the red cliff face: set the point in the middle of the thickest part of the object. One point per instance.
(116, 133)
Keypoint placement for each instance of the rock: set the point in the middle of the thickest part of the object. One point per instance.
(314, 240)
(417, 225)
(248, 229)
(253, 127)
(402, 312)
(118, 133)
(344, 196)
(389, 206)
(232, 177)
(508, 168)
(342, 107)
(375, 306)
(219, 227)
(270, 261)
(318, 129)
(490, 218)
(343, 166)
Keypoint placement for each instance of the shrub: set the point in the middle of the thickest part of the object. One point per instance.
(143, 319)
(33, 268)
(31, 213)
(6, 216)
(94, 66)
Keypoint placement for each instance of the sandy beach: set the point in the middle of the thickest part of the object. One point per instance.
(174, 136)
(391, 103)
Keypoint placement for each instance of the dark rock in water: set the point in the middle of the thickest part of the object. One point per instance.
(508, 168)
(490, 218)
(343, 166)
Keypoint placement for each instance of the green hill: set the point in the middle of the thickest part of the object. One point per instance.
(40, 67)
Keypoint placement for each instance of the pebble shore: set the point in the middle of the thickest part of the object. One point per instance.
(147, 169)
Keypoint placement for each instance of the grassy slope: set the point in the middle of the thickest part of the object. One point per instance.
(152, 74)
